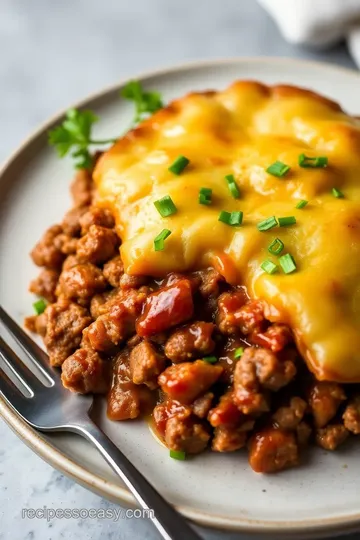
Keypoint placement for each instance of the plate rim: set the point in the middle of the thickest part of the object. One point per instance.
(94, 482)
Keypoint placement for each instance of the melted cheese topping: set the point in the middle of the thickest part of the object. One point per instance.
(243, 130)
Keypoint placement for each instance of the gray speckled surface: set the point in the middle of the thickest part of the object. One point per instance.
(52, 54)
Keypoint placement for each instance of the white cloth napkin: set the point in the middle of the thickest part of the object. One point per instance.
(318, 23)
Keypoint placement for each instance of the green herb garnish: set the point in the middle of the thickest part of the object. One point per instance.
(276, 247)
(269, 267)
(278, 169)
(205, 196)
(179, 165)
(160, 239)
(165, 206)
(231, 218)
(210, 359)
(239, 352)
(146, 103)
(287, 263)
(73, 135)
(301, 204)
(232, 185)
(337, 193)
(286, 221)
(39, 306)
(312, 162)
(178, 454)
(267, 224)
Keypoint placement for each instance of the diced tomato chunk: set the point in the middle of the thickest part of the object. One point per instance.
(225, 412)
(165, 308)
(185, 382)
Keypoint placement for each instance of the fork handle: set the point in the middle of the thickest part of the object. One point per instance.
(170, 524)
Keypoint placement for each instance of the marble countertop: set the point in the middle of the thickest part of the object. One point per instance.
(52, 54)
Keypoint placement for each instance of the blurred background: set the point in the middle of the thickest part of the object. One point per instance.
(53, 53)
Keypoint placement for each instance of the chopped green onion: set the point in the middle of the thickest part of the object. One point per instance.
(239, 352)
(286, 221)
(39, 306)
(179, 165)
(231, 218)
(160, 239)
(312, 162)
(278, 169)
(205, 195)
(232, 185)
(210, 359)
(287, 263)
(337, 193)
(178, 454)
(165, 206)
(266, 224)
(301, 204)
(276, 247)
(269, 267)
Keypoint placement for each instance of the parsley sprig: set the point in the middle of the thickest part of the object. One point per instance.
(146, 103)
(74, 135)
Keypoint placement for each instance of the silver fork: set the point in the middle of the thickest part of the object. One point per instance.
(53, 408)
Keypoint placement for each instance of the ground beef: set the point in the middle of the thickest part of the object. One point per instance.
(29, 323)
(81, 188)
(85, 371)
(272, 450)
(81, 282)
(96, 216)
(185, 382)
(192, 341)
(41, 324)
(259, 369)
(70, 261)
(229, 303)
(71, 221)
(132, 282)
(99, 303)
(146, 364)
(36, 323)
(46, 252)
(127, 400)
(303, 433)
(209, 282)
(66, 244)
(65, 322)
(331, 436)
(275, 338)
(184, 433)
(228, 439)
(351, 415)
(232, 400)
(289, 417)
(175, 277)
(202, 405)
(324, 400)
(98, 245)
(118, 323)
(234, 315)
(166, 308)
(45, 284)
(165, 410)
(113, 270)
(250, 318)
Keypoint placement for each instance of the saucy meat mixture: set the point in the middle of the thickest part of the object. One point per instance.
(196, 353)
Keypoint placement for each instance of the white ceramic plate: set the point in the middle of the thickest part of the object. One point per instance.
(320, 498)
